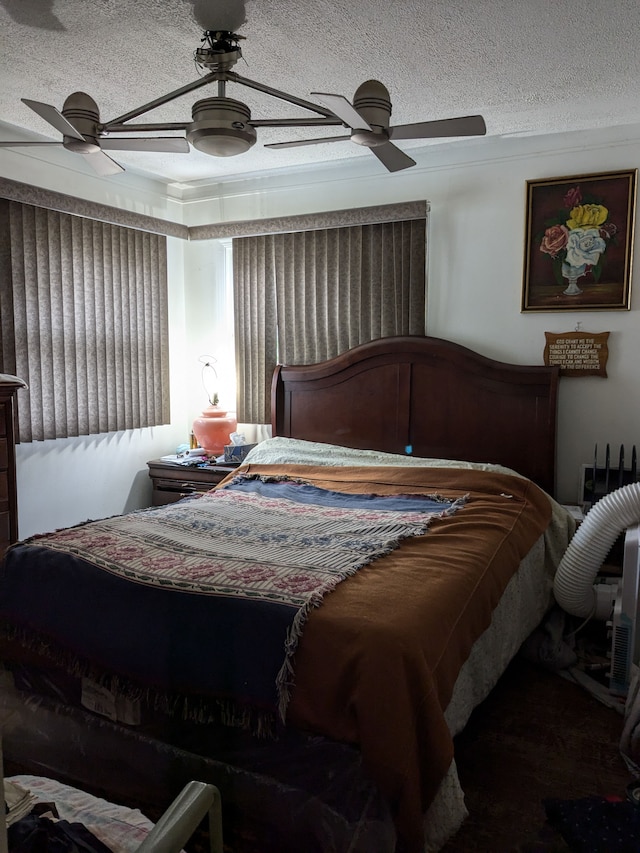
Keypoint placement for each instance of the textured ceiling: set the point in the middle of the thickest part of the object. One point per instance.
(528, 66)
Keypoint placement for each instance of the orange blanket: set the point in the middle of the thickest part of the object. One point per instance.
(378, 661)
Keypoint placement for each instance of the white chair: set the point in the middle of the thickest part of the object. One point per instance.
(174, 828)
(182, 818)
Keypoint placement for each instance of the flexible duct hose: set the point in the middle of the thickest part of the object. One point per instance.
(573, 585)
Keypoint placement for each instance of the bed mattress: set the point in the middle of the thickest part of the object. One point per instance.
(452, 667)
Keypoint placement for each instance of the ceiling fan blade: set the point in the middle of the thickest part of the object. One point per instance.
(296, 142)
(172, 144)
(463, 126)
(101, 163)
(392, 158)
(345, 111)
(27, 142)
(54, 117)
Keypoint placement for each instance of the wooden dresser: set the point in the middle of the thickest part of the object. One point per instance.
(9, 386)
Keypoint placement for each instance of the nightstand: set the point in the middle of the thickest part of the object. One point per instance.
(172, 481)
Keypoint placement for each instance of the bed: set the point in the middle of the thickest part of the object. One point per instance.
(396, 540)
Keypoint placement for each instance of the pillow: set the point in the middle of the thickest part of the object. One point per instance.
(295, 451)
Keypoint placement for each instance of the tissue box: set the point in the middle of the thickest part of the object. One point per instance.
(236, 452)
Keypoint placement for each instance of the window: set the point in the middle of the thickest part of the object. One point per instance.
(307, 296)
(83, 321)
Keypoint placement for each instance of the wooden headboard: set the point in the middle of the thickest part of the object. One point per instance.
(427, 397)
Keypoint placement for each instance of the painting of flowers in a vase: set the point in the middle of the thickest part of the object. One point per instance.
(579, 242)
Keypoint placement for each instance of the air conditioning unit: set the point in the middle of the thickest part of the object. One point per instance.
(615, 600)
(624, 618)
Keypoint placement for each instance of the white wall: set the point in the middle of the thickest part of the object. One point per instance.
(64, 482)
(209, 320)
(476, 246)
(74, 177)
(475, 293)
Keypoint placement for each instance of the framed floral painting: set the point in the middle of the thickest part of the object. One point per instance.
(579, 242)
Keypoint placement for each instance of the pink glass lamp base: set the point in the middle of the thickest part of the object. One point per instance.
(213, 428)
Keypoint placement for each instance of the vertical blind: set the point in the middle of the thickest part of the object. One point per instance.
(307, 296)
(84, 321)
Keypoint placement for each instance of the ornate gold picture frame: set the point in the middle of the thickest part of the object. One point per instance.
(579, 242)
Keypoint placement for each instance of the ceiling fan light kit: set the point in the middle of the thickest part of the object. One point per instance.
(223, 127)
(220, 127)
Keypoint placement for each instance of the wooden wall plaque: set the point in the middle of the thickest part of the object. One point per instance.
(578, 353)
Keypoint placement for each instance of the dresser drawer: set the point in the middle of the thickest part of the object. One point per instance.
(172, 482)
(184, 486)
(5, 532)
(165, 491)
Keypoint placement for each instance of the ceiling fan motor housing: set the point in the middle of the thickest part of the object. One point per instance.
(373, 102)
(82, 112)
(220, 52)
(216, 58)
(220, 127)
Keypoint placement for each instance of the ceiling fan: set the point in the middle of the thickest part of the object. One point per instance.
(223, 127)
(368, 120)
(79, 124)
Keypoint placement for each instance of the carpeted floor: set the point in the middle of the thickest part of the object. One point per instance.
(537, 736)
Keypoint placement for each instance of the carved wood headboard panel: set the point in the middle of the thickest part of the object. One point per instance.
(427, 397)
